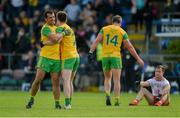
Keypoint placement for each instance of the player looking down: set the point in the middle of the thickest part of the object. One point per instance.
(160, 90)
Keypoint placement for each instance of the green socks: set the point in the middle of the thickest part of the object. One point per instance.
(31, 99)
(116, 101)
(56, 103)
(67, 101)
(70, 100)
(108, 96)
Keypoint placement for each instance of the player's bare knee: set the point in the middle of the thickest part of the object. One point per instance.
(117, 85)
(143, 89)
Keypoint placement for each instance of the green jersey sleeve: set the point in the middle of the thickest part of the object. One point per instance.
(125, 36)
(59, 29)
(46, 31)
(101, 31)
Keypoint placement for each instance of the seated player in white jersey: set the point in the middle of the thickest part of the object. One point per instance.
(160, 86)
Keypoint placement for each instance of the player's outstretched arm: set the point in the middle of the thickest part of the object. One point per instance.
(133, 52)
(98, 39)
(93, 47)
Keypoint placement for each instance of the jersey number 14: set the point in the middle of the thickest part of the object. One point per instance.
(112, 40)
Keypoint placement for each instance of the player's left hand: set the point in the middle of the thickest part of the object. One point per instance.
(90, 57)
(41, 44)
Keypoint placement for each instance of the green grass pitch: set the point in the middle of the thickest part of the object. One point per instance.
(84, 104)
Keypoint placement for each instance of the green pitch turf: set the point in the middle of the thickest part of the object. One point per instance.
(12, 103)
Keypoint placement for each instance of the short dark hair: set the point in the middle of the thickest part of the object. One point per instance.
(62, 16)
(48, 12)
(117, 19)
(162, 67)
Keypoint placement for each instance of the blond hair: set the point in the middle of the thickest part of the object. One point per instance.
(163, 68)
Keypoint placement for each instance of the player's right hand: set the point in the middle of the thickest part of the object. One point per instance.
(59, 37)
(90, 56)
(137, 83)
(158, 98)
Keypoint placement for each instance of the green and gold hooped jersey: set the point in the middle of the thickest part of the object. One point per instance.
(52, 51)
(68, 47)
(112, 40)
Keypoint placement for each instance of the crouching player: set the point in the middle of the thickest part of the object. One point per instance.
(160, 90)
